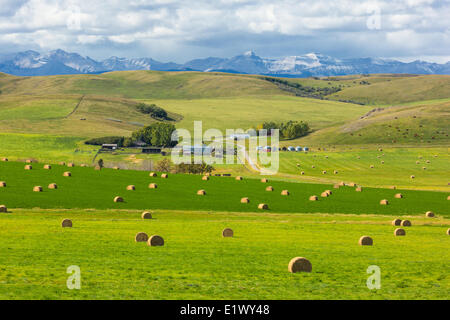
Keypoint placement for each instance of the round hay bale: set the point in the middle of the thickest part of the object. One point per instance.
(53, 186)
(398, 196)
(71, 164)
(313, 166)
(37, 189)
(62, 163)
(263, 206)
(299, 264)
(3, 208)
(372, 166)
(245, 200)
(146, 215)
(205, 178)
(155, 241)
(201, 192)
(336, 172)
(118, 199)
(285, 193)
(358, 189)
(28, 167)
(5, 159)
(227, 232)
(365, 241)
(67, 174)
(412, 177)
(324, 194)
(83, 165)
(405, 223)
(417, 162)
(98, 168)
(47, 167)
(153, 174)
(116, 168)
(396, 222)
(313, 198)
(337, 186)
(393, 187)
(2, 184)
(384, 202)
(152, 186)
(424, 168)
(264, 180)
(302, 173)
(399, 232)
(208, 174)
(429, 214)
(448, 197)
(324, 172)
(329, 192)
(66, 223)
(428, 161)
(351, 184)
(382, 162)
(238, 178)
(448, 231)
(164, 176)
(342, 183)
(29, 161)
(131, 187)
(141, 237)
(269, 188)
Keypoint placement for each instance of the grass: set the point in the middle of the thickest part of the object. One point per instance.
(248, 112)
(89, 188)
(197, 263)
(399, 165)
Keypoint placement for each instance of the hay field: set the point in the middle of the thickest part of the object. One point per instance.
(399, 164)
(196, 262)
(89, 188)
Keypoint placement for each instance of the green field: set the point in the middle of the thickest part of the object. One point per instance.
(197, 263)
(89, 188)
(392, 166)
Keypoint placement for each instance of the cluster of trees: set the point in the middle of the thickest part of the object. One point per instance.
(153, 110)
(303, 91)
(107, 140)
(288, 130)
(157, 134)
(166, 166)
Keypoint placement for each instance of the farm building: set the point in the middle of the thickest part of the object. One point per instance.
(152, 150)
(197, 149)
(109, 146)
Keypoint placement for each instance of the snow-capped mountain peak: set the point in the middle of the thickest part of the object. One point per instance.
(310, 64)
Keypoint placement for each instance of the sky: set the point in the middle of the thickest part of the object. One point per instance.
(173, 30)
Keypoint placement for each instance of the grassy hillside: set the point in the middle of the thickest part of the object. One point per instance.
(420, 123)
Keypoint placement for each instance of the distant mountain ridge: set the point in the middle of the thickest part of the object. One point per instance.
(57, 62)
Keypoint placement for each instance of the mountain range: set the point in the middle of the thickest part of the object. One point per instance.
(57, 62)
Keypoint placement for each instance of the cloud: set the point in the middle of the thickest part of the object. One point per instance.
(180, 30)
